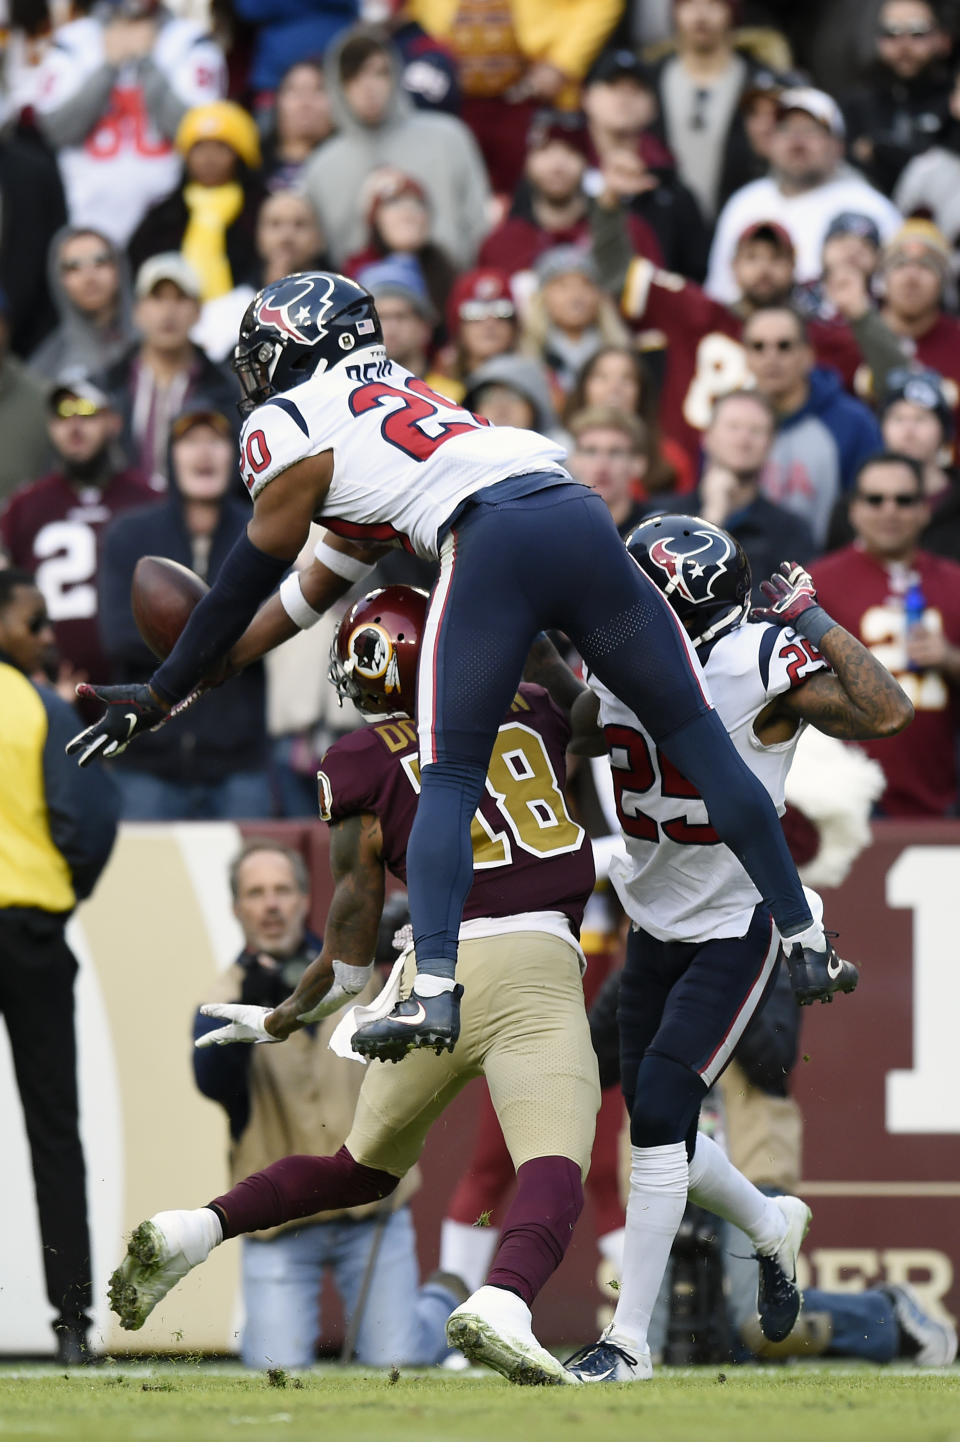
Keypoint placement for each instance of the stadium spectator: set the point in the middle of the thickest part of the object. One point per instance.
(823, 435)
(301, 122)
(23, 415)
(57, 826)
(904, 604)
(512, 390)
(608, 455)
(481, 323)
(569, 317)
(512, 58)
(916, 420)
(90, 286)
(551, 208)
(635, 172)
(616, 377)
(700, 88)
(929, 186)
(902, 109)
(377, 125)
(284, 34)
(405, 312)
(210, 216)
(212, 766)
(153, 381)
(399, 223)
(300, 1100)
(53, 527)
(736, 449)
(853, 240)
(111, 93)
(807, 187)
(30, 189)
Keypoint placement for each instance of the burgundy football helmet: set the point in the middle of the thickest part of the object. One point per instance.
(373, 658)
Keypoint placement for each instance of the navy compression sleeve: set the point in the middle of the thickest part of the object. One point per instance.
(246, 578)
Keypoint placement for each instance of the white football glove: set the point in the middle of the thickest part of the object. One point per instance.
(245, 1024)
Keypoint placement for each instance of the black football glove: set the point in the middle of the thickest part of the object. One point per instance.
(130, 710)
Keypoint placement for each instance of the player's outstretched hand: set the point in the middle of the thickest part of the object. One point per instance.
(790, 591)
(130, 710)
(245, 1023)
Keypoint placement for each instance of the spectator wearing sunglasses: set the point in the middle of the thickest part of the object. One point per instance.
(481, 324)
(903, 603)
(823, 435)
(903, 109)
(54, 526)
(90, 285)
(57, 825)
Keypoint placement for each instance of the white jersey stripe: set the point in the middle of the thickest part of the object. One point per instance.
(429, 646)
(748, 1007)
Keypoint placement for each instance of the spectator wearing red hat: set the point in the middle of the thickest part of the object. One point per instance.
(552, 208)
(399, 223)
(807, 186)
(481, 324)
(700, 88)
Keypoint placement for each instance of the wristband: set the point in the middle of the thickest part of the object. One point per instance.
(348, 567)
(295, 604)
(814, 623)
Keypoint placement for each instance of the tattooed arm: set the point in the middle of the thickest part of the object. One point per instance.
(356, 860)
(858, 702)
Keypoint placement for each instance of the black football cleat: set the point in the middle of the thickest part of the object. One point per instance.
(420, 1021)
(778, 1297)
(817, 975)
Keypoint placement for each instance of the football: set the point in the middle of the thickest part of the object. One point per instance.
(162, 596)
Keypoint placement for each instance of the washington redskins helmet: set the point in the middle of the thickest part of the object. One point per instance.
(298, 326)
(373, 658)
(703, 572)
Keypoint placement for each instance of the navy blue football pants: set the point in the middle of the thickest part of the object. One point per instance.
(513, 565)
(682, 1010)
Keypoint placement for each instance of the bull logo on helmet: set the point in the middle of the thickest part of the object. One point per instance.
(700, 563)
(372, 656)
(294, 313)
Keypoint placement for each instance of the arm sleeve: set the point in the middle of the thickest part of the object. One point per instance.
(72, 99)
(612, 251)
(82, 803)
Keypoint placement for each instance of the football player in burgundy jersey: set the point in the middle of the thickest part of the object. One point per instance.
(704, 951)
(337, 433)
(524, 1024)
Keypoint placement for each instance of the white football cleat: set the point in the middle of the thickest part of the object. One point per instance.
(612, 1359)
(160, 1253)
(932, 1343)
(494, 1328)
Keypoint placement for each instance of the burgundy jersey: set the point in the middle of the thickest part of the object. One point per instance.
(866, 597)
(55, 530)
(528, 855)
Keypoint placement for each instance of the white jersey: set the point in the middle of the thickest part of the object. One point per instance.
(404, 457)
(677, 881)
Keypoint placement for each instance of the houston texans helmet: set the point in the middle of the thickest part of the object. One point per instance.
(373, 658)
(298, 326)
(703, 572)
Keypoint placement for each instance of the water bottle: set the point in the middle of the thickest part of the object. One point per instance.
(914, 608)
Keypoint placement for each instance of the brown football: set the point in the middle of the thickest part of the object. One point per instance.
(162, 596)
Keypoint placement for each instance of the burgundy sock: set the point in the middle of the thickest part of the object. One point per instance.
(298, 1187)
(538, 1226)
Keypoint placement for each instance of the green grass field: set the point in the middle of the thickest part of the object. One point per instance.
(202, 1403)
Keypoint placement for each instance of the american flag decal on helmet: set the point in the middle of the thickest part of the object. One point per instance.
(365, 327)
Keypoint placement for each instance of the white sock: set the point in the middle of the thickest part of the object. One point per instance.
(426, 984)
(467, 1251)
(658, 1195)
(195, 1232)
(716, 1185)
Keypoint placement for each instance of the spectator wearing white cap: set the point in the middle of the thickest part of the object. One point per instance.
(808, 185)
(158, 376)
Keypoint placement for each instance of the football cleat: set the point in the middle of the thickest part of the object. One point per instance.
(494, 1329)
(930, 1342)
(420, 1021)
(778, 1297)
(611, 1359)
(816, 975)
(160, 1253)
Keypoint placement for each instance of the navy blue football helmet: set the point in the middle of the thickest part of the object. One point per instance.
(703, 572)
(298, 326)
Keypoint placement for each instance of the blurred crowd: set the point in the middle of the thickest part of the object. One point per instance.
(710, 245)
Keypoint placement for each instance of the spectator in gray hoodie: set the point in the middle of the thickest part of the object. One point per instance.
(512, 390)
(378, 125)
(90, 287)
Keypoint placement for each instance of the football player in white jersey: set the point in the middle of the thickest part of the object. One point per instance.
(337, 433)
(704, 949)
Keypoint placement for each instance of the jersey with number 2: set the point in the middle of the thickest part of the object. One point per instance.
(678, 881)
(404, 457)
